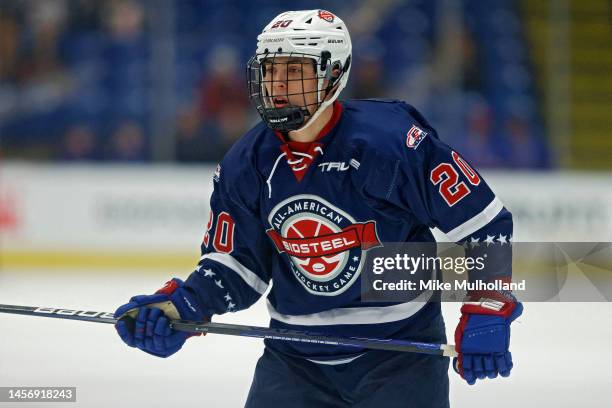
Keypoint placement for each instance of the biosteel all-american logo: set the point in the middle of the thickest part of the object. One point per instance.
(324, 243)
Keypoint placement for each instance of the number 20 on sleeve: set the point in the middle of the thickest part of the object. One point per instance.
(451, 189)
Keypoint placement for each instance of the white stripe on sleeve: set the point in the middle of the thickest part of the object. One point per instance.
(477, 222)
(245, 273)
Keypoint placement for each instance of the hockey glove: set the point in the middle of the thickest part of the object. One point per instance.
(144, 321)
(482, 337)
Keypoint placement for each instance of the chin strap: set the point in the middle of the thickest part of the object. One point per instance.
(310, 120)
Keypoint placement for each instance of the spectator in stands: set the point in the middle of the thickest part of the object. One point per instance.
(368, 77)
(85, 15)
(79, 143)
(197, 138)
(479, 147)
(221, 114)
(125, 19)
(45, 21)
(35, 67)
(127, 142)
(524, 149)
(9, 42)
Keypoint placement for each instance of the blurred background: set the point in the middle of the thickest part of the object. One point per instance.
(510, 83)
(114, 113)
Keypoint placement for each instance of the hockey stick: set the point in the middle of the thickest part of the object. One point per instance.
(446, 350)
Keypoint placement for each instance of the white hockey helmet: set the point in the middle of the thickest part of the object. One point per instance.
(315, 34)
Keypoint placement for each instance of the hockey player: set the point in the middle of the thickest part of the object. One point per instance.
(299, 200)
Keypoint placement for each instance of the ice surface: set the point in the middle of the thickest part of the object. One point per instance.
(561, 351)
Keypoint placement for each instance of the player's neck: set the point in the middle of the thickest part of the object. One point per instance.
(311, 132)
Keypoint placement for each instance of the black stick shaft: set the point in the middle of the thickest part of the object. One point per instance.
(246, 331)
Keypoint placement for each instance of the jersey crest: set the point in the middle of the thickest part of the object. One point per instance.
(324, 243)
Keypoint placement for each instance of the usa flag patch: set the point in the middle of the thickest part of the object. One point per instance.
(414, 136)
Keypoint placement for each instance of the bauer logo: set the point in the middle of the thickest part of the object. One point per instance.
(278, 120)
(324, 244)
(414, 137)
(326, 15)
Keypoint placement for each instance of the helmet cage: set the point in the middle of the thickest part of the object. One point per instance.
(291, 117)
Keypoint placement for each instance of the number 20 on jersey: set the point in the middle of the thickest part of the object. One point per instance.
(223, 240)
(446, 176)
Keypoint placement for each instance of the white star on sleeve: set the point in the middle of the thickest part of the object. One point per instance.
(502, 239)
(218, 283)
(209, 273)
(227, 297)
(490, 239)
(231, 306)
(474, 242)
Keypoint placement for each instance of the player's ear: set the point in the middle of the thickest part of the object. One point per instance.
(336, 71)
(335, 74)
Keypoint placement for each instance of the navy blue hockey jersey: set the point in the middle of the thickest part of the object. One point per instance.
(302, 220)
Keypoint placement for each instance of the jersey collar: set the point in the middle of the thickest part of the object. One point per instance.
(300, 155)
(329, 126)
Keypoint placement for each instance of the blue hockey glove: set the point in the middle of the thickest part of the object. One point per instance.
(144, 321)
(482, 337)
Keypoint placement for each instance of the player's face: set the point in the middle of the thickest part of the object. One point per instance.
(291, 81)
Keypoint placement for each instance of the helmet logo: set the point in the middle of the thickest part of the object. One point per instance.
(326, 15)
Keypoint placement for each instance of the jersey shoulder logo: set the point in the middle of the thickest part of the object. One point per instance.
(414, 137)
(325, 246)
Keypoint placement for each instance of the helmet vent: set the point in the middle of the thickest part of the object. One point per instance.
(309, 21)
(302, 41)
